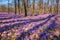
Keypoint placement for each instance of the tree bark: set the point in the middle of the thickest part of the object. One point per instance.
(19, 6)
(57, 1)
(25, 7)
(8, 6)
(33, 7)
(15, 6)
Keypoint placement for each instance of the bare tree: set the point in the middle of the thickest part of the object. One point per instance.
(33, 5)
(27, 3)
(19, 6)
(15, 6)
(57, 3)
(52, 4)
(8, 6)
(24, 3)
(48, 5)
(40, 4)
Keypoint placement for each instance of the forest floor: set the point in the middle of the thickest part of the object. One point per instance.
(30, 27)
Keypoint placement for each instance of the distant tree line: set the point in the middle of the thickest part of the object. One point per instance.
(26, 6)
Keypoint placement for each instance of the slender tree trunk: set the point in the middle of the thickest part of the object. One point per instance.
(40, 5)
(8, 6)
(19, 6)
(25, 7)
(33, 7)
(44, 5)
(48, 6)
(27, 4)
(44, 9)
(15, 6)
(57, 1)
(51, 5)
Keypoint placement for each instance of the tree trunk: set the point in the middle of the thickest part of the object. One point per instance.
(40, 5)
(51, 5)
(8, 6)
(48, 6)
(19, 6)
(25, 7)
(33, 7)
(15, 6)
(57, 3)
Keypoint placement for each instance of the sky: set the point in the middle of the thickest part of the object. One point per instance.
(5, 2)
(10, 1)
